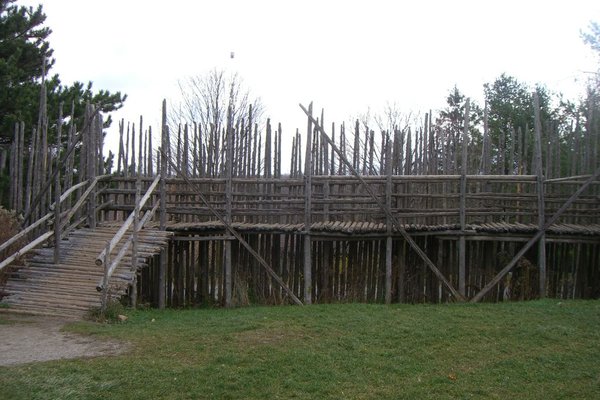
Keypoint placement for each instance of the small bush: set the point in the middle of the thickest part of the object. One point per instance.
(114, 308)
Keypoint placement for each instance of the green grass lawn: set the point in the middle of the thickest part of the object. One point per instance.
(533, 350)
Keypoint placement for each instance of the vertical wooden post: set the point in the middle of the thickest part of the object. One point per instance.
(70, 162)
(14, 169)
(268, 158)
(356, 154)
(57, 221)
(121, 152)
(99, 144)
(162, 268)
(149, 166)
(401, 272)
(29, 179)
(462, 246)
(92, 149)
(42, 170)
(21, 166)
(126, 155)
(99, 158)
(279, 137)
(540, 194)
(307, 211)
(104, 298)
(228, 204)
(136, 220)
(388, 223)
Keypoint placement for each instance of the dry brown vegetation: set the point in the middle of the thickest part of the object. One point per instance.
(11, 225)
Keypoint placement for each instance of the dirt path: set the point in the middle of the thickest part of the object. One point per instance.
(25, 339)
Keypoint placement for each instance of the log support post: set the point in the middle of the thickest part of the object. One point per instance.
(162, 267)
(136, 222)
(228, 205)
(57, 207)
(462, 245)
(540, 195)
(308, 211)
(388, 223)
(92, 156)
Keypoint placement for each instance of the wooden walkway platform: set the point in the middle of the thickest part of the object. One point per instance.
(372, 228)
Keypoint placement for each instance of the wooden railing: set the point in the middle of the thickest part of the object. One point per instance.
(61, 224)
(104, 258)
(424, 200)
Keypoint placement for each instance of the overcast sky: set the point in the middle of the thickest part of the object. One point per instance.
(346, 56)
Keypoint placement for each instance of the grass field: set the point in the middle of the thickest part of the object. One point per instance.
(532, 350)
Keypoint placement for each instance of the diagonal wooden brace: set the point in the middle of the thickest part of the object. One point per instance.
(386, 210)
(233, 232)
(535, 238)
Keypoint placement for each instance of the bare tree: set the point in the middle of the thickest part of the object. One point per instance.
(207, 101)
(368, 145)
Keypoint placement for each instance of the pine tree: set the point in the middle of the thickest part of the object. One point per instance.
(23, 50)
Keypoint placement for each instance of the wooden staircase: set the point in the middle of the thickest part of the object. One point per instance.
(68, 288)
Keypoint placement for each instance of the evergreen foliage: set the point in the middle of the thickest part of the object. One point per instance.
(25, 62)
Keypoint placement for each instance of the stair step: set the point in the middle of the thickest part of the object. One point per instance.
(54, 312)
(76, 291)
(68, 288)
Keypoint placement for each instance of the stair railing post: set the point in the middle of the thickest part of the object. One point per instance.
(57, 219)
(104, 299)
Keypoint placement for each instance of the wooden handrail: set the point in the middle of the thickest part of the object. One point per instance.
(70, 191)
(25, 231)
(42, 219)
(81, 200)
(116, 261)
(41, 239)
(26, 249)
(126, 225)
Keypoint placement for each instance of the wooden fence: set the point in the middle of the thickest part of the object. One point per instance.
(408, 218)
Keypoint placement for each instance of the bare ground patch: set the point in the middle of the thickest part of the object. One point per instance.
(25, 339)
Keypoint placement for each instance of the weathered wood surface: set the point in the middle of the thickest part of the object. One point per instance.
(327, 235)
(69, 287)
(360, 227)
(128, 223)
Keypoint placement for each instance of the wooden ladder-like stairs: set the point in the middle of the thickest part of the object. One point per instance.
(68, 288)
